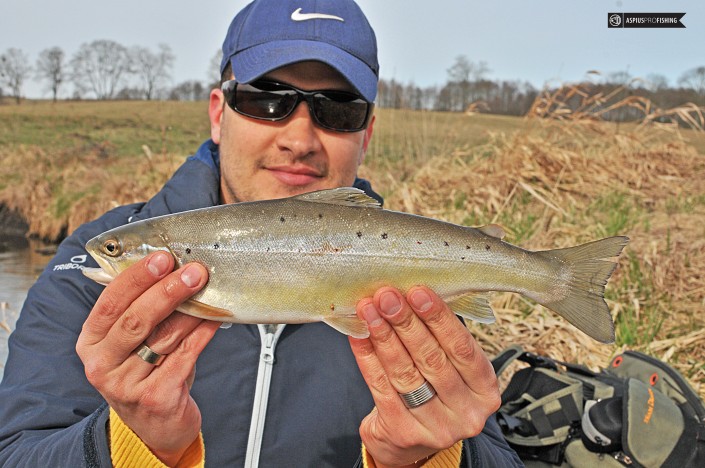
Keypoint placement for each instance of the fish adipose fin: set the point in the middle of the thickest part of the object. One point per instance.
(584, 306)
(347, 196)
(474, 306)
(349, 325)
(199, 309)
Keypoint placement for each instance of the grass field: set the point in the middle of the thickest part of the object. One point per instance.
(550, 183)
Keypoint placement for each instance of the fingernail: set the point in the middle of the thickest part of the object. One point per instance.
(389, 303)
(420, 300)
(191, 275)
(158, 264)
(371, 315)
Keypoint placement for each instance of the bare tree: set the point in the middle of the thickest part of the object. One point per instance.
(152, 69)
(694, 79)
(461, 76)
(100, 67)
(14, 70)
(52, 68)
(656, 82)
(188, 91)
(213, 74)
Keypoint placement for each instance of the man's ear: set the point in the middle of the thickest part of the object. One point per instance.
(216, 107)
(366, 140)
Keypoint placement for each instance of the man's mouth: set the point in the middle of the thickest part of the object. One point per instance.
(295, 175)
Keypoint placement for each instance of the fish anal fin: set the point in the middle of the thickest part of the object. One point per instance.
(474, 306)
(349, 325)
(205, 311)
(347, 196)
(493, 230)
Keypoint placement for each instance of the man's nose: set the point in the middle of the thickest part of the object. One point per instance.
(299, 134)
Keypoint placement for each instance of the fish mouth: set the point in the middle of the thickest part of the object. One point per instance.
(98, 275)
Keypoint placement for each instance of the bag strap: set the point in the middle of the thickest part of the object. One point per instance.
(514, 352)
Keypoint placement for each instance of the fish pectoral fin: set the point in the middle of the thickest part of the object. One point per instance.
(493, 230)
(474, 306)
(347, 196)
(204, 311)
(349, 325)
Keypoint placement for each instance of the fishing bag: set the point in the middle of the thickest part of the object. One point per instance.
(638, 412)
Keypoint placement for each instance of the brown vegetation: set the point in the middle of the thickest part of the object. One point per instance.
(556, 179)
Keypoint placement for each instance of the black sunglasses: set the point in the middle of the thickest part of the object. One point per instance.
(266, 100)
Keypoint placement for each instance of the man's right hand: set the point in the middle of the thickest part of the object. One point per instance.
(138, 307)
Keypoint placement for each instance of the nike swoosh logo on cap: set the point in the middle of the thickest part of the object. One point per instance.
(298, 16)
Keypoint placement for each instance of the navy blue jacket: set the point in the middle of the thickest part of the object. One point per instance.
(51, 416)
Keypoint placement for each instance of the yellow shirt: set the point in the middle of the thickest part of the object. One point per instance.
(128, 450)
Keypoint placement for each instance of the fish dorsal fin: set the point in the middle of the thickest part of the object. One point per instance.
(349, 325)
(347, 196)
(205, 311)
(474, 306)
(493, 230)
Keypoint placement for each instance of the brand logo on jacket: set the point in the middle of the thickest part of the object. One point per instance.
(75, 263)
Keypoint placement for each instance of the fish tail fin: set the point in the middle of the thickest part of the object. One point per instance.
(584, 304)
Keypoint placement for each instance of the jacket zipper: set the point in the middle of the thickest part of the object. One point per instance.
(269, 335)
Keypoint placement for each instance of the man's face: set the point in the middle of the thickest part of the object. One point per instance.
(262, 160)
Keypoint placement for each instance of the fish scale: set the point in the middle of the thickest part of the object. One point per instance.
(312, 257)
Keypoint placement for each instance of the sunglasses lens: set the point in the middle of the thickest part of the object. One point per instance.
(340, 111)
(262, 103)
(335, 110)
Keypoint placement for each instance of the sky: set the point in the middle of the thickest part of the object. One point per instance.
(540, 41)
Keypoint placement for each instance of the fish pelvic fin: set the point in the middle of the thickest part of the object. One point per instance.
(584, 306)
(349, 325)
(205, 311)
(346, 196)
(474, 306)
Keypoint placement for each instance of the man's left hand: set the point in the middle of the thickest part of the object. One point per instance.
(414, 339)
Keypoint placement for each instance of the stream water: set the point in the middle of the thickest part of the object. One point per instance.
(21, 262)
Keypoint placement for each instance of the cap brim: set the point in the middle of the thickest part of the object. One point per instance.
(252, 63)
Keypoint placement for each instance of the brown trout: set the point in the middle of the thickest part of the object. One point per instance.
(311, 257)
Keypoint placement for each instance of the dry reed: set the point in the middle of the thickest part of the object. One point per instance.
(569, 178)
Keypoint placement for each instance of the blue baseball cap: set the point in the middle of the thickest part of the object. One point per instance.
(269, 34)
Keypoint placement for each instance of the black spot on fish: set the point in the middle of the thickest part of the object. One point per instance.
(359, 234)
(216, 246)
(419, 242)
(320, 215)
(188, 251)
(282, 219)
(446, 243)
(467, 247)
(487, 246)
(384, 235)
(462, 258)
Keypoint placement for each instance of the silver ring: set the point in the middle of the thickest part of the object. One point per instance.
(147, 355)
(419, 396)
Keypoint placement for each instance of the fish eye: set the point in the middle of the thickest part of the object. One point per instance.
(112, 248)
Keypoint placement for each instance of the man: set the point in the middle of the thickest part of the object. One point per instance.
(419, 390)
